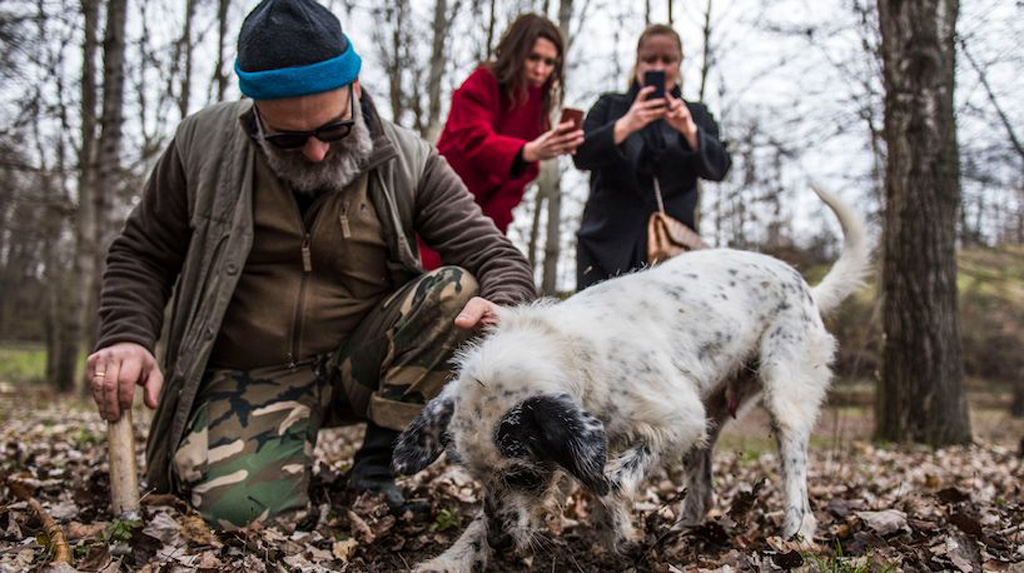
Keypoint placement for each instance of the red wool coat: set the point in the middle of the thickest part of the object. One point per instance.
(481, 140)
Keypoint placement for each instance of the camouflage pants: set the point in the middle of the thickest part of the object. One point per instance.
(247, 452)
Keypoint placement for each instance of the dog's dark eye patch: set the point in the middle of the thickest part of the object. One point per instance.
(524, 479)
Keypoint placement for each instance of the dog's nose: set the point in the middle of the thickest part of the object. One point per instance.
(497, 537)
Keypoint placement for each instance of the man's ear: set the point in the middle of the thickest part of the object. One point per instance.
(357, 88)
(425, 438)
(555, 429)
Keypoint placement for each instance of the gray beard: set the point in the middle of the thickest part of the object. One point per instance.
(343, 163)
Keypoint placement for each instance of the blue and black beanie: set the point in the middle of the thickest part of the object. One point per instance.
(290, 48)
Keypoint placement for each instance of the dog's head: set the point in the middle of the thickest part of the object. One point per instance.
(514, 434)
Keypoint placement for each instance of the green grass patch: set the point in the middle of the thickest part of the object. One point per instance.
(22, 363)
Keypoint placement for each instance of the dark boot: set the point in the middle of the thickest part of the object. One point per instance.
(371, 471)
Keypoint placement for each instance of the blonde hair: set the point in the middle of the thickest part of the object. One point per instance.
(655, 30)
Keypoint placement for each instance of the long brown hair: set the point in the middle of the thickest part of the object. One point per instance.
(656, 30)
(510, 60)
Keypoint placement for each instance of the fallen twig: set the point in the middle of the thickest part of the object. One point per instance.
(61, 551)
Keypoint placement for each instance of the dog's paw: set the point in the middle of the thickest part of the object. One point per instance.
(442, 565)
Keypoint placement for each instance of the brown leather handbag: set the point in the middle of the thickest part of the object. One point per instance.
(667, 236)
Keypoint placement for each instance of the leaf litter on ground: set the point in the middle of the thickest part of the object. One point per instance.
(879, 509)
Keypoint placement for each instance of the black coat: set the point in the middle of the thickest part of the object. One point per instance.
(613, 234)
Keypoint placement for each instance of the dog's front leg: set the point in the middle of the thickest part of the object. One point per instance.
(613, 519)
(469, 554)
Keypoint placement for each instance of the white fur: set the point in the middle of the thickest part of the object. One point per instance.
(652, 356)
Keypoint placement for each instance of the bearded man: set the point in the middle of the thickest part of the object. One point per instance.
(281, 230)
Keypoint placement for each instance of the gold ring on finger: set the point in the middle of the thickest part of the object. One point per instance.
(99, 374)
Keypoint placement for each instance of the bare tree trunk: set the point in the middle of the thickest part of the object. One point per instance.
(185, 52)
(84, 270)
(1017, 405)
(531, 250)
(550, 186)
(921, 396)
(647, 12)
(442, 27)
(219, 76)
(671, 20)
(395, 68)
(109, 150)
(705, 69)
(491, 22)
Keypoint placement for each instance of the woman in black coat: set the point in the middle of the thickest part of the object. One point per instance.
(631, 139)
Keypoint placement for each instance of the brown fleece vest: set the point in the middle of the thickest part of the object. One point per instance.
(307, 281)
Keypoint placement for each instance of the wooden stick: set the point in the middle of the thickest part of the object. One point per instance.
(124, 481)
(61, 551)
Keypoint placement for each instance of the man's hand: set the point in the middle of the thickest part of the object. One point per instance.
(679, 118)
(113, 372)
(477, 313)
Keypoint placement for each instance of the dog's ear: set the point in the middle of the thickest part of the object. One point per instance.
(554, 428)
(425, 438)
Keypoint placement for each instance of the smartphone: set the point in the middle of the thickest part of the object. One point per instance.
(656, 79)
(574, 115)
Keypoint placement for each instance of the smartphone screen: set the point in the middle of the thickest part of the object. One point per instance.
(656, 79)
(573, 115)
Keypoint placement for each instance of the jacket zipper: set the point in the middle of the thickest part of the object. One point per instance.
(300, 302)
(308, 226)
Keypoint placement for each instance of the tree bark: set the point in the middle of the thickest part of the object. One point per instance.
(705, 69)
(921, 396)
(491, 23)
(185, 51)
(550, 185)
(84, 272)
(531, 249)
(109, 150)
(219, 76)
(442, 27)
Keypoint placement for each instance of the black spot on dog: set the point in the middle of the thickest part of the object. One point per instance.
(555, 429)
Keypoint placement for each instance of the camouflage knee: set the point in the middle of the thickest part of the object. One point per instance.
(247, 454)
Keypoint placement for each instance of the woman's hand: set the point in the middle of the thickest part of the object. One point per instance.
(557, 141)
(642, 112)
(679, 118)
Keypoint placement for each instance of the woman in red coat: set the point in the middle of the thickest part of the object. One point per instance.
(497, 130)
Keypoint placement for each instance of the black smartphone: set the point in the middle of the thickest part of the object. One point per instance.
(656, 79)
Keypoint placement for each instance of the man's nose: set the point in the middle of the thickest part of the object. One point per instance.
(315, 150)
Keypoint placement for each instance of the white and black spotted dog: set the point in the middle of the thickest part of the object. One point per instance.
(631, 373)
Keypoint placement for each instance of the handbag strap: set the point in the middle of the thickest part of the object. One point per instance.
(657, 195)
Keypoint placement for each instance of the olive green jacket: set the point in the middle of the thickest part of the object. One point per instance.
(192, 231)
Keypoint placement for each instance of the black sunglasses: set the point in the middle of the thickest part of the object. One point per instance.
(326, 133)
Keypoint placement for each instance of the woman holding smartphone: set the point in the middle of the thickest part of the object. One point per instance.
(498, 128)
(646, 138)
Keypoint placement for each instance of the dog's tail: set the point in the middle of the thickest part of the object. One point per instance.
(848, 273)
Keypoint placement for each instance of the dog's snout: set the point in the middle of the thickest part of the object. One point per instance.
(498, 536)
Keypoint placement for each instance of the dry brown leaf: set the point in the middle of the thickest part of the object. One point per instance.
(195, 530)
(343, 549)
(884, 522)
(359, 529)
